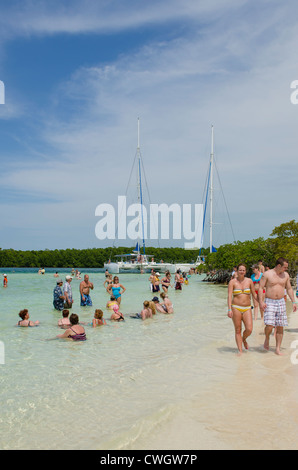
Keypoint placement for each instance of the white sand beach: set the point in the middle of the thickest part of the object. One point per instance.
(256, 408)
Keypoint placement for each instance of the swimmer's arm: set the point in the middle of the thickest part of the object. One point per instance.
(66, 334)
(122, 287)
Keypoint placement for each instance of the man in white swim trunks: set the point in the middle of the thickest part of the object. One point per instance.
(275, 281)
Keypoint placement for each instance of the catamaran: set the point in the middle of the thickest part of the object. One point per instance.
(209, 193)
(139, 262)
(136, 261)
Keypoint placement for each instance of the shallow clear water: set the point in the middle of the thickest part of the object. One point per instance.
(61, 394)
(114, 389)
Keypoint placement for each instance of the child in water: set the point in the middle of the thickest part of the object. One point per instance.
(167, 304)
(64, 321)
(98, 318)
(111, 303)
(145, 313)
(117, 315)
(24, 315)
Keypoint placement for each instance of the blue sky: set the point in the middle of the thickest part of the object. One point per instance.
(78, 75)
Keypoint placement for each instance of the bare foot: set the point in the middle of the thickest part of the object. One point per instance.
(245, 344)
(278, 352)
(266, 344)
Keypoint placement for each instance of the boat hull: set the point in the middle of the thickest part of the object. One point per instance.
(113, 268)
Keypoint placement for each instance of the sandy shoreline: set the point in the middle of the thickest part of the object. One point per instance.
(256, 408)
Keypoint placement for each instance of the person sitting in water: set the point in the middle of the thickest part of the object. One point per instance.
(117, 315)
(111, 303)
(76, 332)
(98, 319)
(158, 306)
(152, 306)
(64, 321)
(145, 313)
(24, 315)
(167, 304)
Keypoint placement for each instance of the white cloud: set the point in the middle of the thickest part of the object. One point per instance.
(234, 72)
(26, 17)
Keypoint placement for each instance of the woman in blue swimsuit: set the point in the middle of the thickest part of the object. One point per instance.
(115, 288)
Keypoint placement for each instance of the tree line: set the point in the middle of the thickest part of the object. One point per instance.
(87, 258)
(283, 241)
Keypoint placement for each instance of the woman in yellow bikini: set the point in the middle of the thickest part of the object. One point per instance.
(239, 305)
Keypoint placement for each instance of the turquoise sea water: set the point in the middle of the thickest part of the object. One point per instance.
(113, 390)
(107, 390)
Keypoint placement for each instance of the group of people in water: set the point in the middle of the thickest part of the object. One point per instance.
(150, 307)
(269, 290)
(74, 329)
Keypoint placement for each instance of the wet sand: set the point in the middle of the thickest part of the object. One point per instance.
(256, 408)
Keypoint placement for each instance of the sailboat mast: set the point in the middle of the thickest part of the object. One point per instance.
(211, 188)
(140, 195)
(139, 161)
